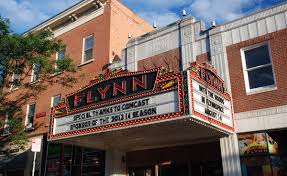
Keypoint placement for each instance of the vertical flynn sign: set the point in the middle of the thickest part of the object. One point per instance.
(210, 101)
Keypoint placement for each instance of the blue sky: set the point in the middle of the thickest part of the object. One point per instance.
(24, 14)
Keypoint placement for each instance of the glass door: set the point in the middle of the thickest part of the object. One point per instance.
(93, 163)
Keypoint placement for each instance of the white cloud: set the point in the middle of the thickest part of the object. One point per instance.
(24, 14)
(161, 18)
(222, 10)
(156, 4)
(162, 12)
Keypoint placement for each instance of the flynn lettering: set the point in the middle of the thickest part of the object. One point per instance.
(211, 79)
(113, 89)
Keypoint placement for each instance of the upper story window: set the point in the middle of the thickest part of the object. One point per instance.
(31, 110)
(88, 48)
(60, 56)
(258, 68)
(15, 82)
(55, 100)
(36, 72)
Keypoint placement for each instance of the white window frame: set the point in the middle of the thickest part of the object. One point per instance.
(245, 71)
(32, 75)
(84, 49)
(27, 113)
(57, 57)
(53, 97)
(12, 84)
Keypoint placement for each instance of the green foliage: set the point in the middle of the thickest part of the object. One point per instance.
(4, 26)
(66, 65)
(19, 54)
(22, 51)
(19, 139)
(15, 123)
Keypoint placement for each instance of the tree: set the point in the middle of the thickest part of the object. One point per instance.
(19, 55)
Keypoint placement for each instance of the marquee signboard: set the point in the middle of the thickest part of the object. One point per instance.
(119, 99)
(210, 101)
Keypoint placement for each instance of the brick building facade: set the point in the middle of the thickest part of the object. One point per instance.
(106, 26)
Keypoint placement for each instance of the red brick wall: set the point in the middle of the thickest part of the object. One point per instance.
(243, 102)
(202, 58)
(100, 27)
(167, 59)
(124, 21)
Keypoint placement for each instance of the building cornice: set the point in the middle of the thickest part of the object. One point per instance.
(250, 18)
(62, 15)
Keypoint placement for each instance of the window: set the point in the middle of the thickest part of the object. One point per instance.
(88, 48)
(30, 115)
(15, 80)
(258, 69)
(55, 100)
(6, 125)
(60, 55)
(36, 72)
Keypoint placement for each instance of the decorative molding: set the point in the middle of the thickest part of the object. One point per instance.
(261, 112)
(186, 35)
(174, 27)
(78, 22)
(216, 45)
(157, 45)
(254, 17)
(60, 15)
(131, 53)
(160, 44)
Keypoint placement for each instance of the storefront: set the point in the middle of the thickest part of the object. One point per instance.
(155, 122)
(263, 153)
(63, 159)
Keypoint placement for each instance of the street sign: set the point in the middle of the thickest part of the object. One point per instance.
(36, 145)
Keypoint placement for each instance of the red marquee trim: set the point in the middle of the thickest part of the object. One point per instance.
(205, 117)
(160, 78)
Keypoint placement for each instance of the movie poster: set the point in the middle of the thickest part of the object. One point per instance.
(255, 143)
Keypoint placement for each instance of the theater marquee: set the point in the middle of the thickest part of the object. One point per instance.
(119, 99)
(210, 102)
(122, 99)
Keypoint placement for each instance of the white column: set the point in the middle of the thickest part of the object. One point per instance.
(230, 156)
(115, 163)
